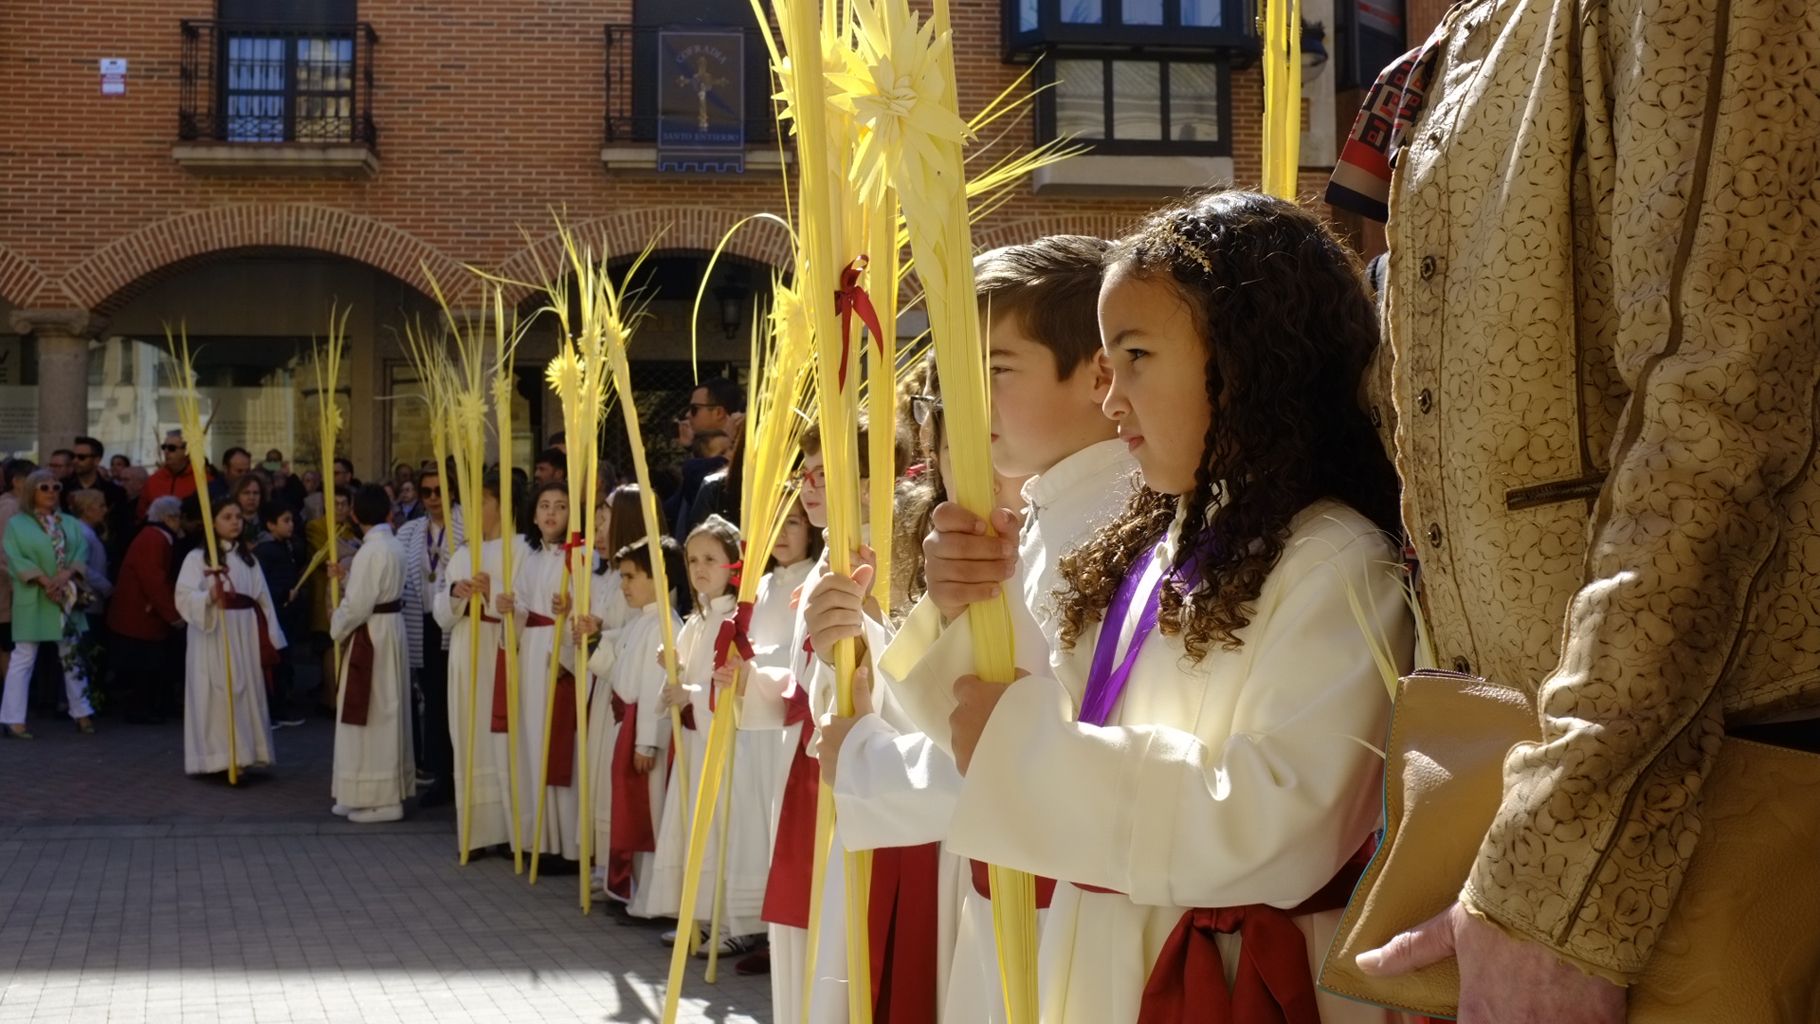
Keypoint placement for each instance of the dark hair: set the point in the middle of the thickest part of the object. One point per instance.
(628, 517)
(344, 491)
(243, 545)
(273, 510)
(811, 444)
(532, 535)
(722, 392)
(228, 455)
(65, 452)
(700, 446)
(553, 457)
(17, 468)
(1052, 287)
(724, 533)
(92, 443)
(371, 507)
(1288, 331)
(348, 464)
(245, 481)
(816, 540)
(560, 437)
(120, 458)
(491, 484)
(639, 554)
(421, 475)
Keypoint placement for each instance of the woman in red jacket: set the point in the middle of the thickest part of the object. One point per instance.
(142, 614)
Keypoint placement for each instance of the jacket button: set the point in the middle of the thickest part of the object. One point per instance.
(1428, 267)
(1434, 138)
(1434, 534)
(1426, 400)
(1462, 666)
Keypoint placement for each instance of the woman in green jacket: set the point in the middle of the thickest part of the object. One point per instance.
(46, 556)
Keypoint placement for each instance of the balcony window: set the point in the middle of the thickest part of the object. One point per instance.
(1205, 27)
(277, 84)
(1137, 107)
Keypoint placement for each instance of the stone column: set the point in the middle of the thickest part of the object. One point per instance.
(62, 337)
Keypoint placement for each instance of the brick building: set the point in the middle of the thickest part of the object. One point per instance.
(239, 165)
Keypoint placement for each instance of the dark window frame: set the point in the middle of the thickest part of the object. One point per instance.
(293, 38)
(1235, 36)
(1164, 146)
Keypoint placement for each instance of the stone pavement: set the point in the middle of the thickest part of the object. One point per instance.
(129, 892)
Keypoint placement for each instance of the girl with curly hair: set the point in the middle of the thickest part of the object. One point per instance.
(1199, 770)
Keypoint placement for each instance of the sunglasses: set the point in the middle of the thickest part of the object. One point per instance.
(173, 447)
(49, 488)
(85, 456)
(429, 492)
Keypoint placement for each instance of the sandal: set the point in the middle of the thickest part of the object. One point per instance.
(17, 732)
(85, 726)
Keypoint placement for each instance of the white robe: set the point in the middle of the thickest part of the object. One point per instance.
(489, 816)
(205, 703)
(373, 763)
(539, 580)
(1247, 777)
(626, 667)
(744, 820)
(898, 787)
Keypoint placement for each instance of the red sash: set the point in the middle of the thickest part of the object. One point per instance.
(501, 720)
(357, 688)
(1272, 984)
(902, 915)
(793, 855)
(630, 831)
(268, 654)
(559, 767)
(982, 884)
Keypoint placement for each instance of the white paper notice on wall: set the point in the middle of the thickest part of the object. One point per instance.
(113, 76)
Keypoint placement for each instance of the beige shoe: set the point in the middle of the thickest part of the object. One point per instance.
(340, 810)
(377, 815)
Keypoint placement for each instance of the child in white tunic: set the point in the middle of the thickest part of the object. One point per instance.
(232, 601)
(539, 599)
(1210, 789)
(481, 685)
(630, 745)
(742, 820)
(374, 770)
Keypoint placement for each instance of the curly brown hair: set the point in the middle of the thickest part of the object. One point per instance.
(1283, 309)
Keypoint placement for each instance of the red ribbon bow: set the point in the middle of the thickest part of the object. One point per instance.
(735, 634)
(851, 299)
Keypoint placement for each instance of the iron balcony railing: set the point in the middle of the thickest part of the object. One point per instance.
(632, 69)
(263, 83)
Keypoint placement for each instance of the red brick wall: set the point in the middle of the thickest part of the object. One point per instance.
(489, 115)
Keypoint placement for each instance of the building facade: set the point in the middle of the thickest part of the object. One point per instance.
(237, 167)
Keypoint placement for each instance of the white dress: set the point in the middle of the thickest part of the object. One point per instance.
(489, 816)
(1248, 777)
(205, 689)
(745, 825)
(626, 667)
(373, 762)
(539, 580)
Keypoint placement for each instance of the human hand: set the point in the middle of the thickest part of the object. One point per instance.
(337, 571)
(974, 700)
(731, 673)
(505, 603)
(461, 590)
(833, 730)
(643, 763)
(677, 696)
(1502, 978)
(482, 582)
(961, 563)
(586, 626)
(835, 608)
(559, 606)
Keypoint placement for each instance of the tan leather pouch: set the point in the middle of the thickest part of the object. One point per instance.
(1743, 942)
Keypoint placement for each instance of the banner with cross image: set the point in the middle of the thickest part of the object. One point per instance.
(701, 100)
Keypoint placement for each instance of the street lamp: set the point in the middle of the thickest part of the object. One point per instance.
(732, 308)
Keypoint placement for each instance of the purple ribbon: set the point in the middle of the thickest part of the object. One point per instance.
(1106, 684)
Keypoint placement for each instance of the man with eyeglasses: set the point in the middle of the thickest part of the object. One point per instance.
(174, 475)
(86, 475)
(717, 405)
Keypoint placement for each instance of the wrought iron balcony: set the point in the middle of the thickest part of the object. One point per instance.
(637, 68)
(274, 84)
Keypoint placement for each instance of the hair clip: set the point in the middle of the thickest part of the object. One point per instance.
(1173, 235)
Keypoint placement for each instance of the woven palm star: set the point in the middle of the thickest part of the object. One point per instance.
(894, 86)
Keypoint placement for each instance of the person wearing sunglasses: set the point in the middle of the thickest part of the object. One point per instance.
(174, 476)
(86, 474)
(46, 556)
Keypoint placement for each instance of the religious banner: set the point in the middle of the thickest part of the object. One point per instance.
(701, 100)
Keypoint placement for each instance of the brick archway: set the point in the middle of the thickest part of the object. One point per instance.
(22, 284)
(111, 275)
(625, 234)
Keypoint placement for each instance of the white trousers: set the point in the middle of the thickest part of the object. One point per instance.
(19, 683)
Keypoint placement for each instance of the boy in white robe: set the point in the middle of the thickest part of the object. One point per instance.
(895, 786)
(233, 601)
(374, 770)
(631, 745)
(480, 686)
